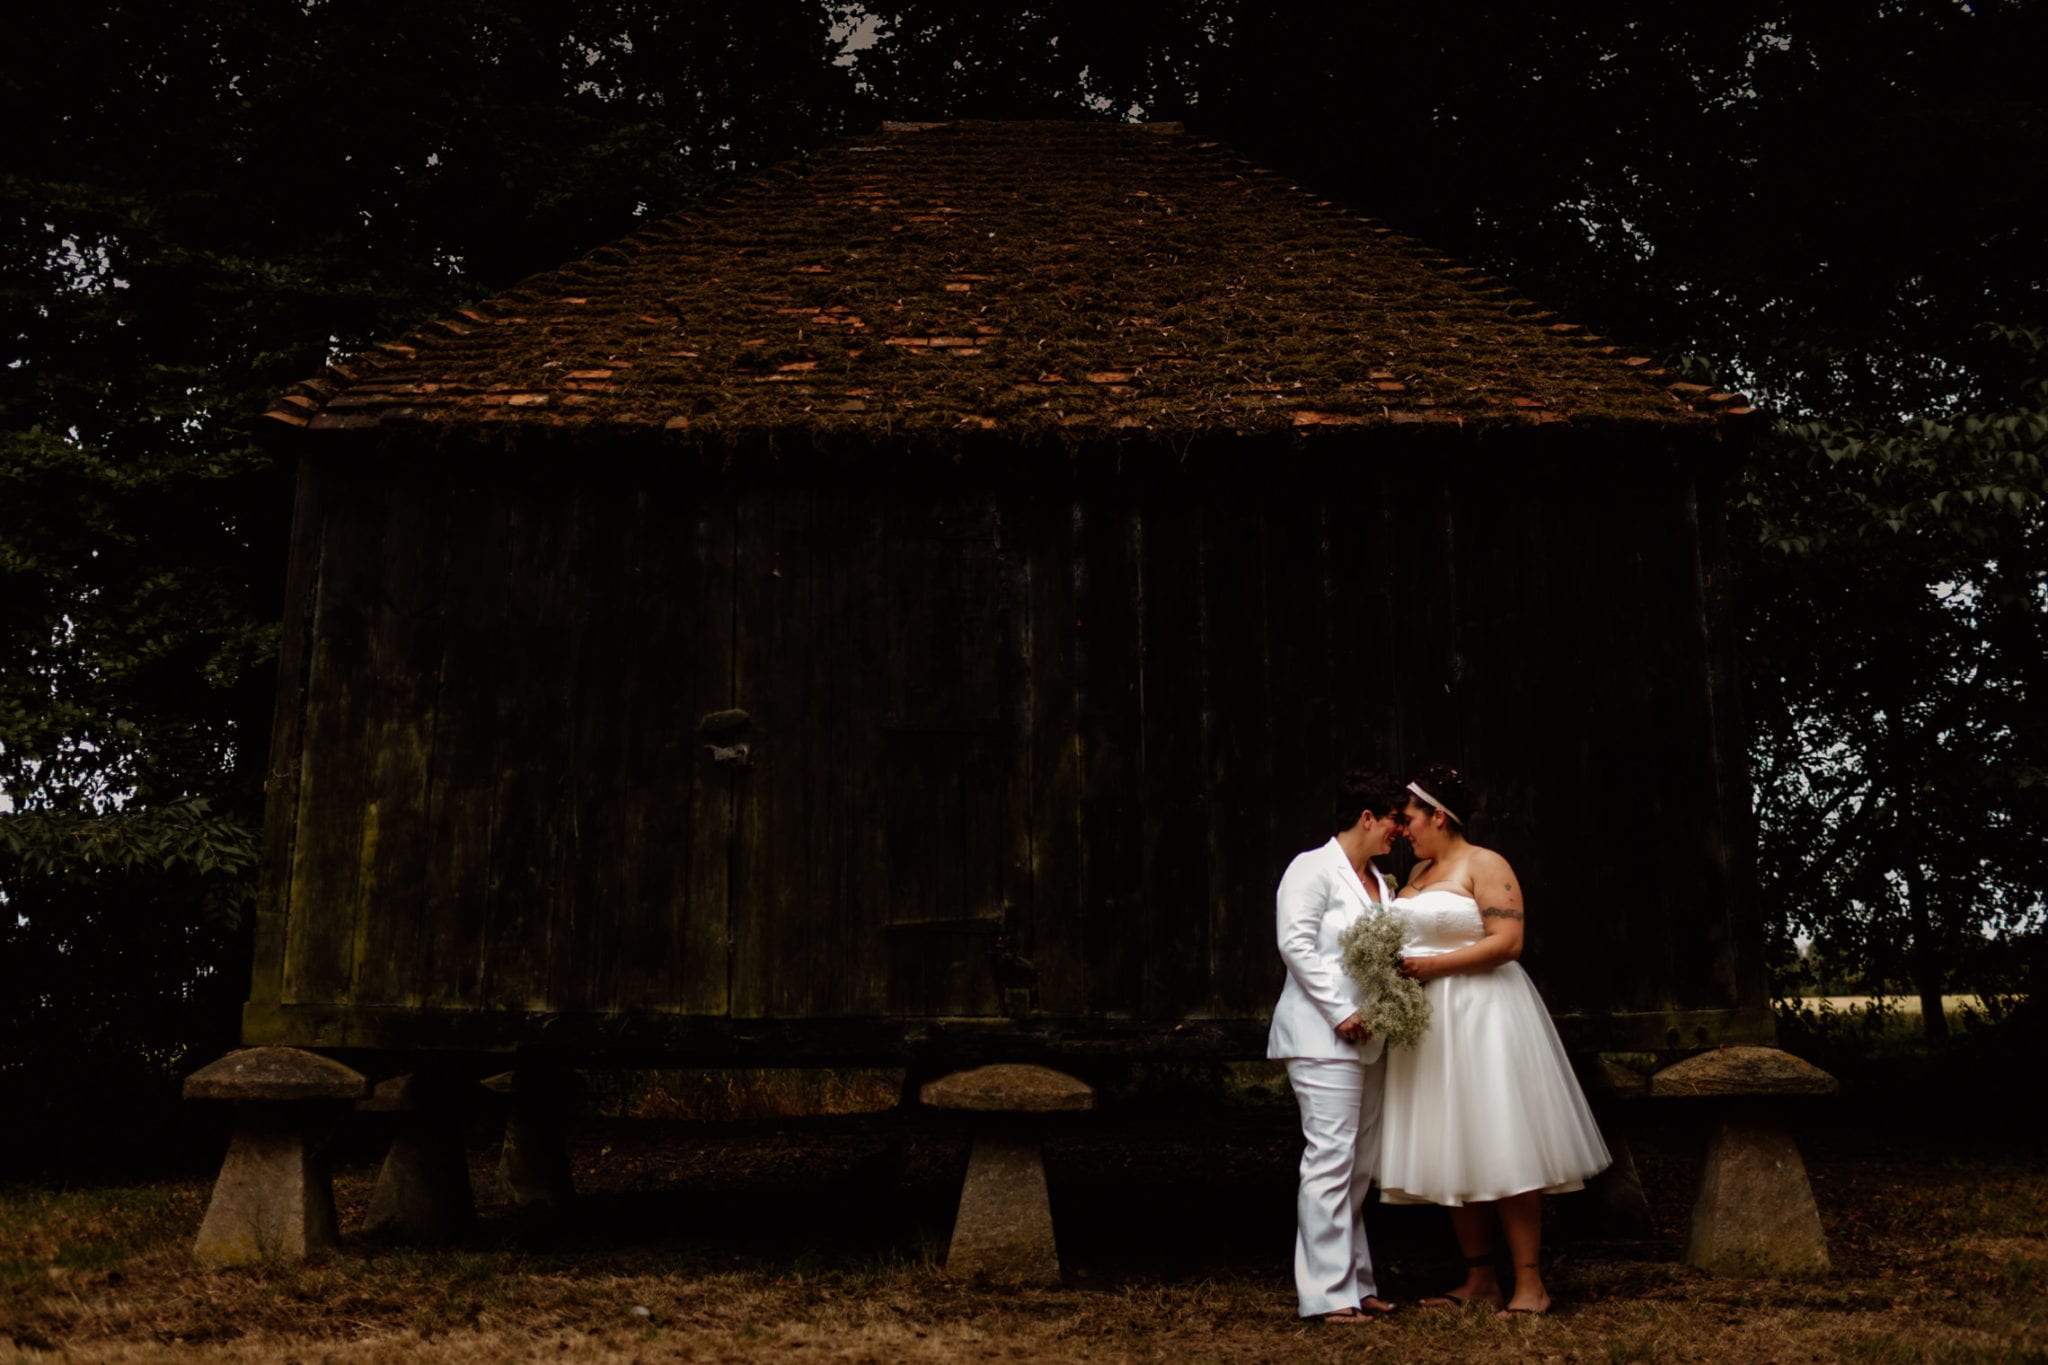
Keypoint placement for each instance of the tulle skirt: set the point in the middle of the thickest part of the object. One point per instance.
(1486, 1105)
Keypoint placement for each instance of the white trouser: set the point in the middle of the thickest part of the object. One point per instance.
(1340, 1118)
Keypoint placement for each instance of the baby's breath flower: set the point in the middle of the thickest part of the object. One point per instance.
(1394, 1006)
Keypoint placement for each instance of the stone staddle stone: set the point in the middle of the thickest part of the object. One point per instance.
(533, 1166)
(1755, 1214)
(1004, 1228)
(1741, 1072)
(1009, 1088)
(423, 1193)
(276, 1075)
(274, 1199)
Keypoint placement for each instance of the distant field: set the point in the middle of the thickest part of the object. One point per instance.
(1904, 1004)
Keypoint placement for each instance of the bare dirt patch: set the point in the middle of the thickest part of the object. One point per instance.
(820, 1240)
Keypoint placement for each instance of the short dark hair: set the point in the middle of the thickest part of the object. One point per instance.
(1452, 792)
(1365, 789)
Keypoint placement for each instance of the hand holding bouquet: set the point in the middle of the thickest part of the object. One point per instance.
(1394, 1007)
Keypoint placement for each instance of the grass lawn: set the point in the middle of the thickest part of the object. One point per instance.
(818, 1239)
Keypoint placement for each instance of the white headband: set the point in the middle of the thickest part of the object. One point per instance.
(1434, 802)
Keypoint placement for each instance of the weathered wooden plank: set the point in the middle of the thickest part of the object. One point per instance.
(1109, 884)
(1173, 789)
(531, 819)
(1009, 813)
(398, 690)
(1428, 669)
(944, 968)
(675, 807)
(834, 932)
(658, 1038)
(1508, 628)
(287, 736)
(334, 769)
(594, 922)
(808, 889)
(872, 630)
(766, 595)
(973, 751)
(954, 842)
(462, 777)
(1240, 845)
(938, 698)
(1303, 613)
(1042, 530)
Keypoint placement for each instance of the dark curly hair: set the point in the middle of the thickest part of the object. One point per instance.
(1452, 792)
(1365, 789)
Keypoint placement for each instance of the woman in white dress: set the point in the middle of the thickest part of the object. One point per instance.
(1483, 1115)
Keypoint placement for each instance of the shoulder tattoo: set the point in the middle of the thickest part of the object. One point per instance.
(1495, 912)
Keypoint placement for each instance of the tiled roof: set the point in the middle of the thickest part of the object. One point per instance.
(1034, 278)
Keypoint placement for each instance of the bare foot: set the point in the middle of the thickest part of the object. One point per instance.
(1537, 1306)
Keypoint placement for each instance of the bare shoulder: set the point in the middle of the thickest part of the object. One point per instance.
(1485, 864)
(1494, 884)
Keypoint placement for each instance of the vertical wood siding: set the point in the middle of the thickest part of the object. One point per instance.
(1010, 749)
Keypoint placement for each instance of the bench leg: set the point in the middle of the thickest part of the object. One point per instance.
(1004, 1229)
(1755, 1214)
(274, 1200)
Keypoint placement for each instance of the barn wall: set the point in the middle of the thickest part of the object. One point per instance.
(1025, 751)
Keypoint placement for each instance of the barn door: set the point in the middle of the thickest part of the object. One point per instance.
(882, 861)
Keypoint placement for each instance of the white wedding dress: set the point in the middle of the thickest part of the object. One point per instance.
(1485, 1105)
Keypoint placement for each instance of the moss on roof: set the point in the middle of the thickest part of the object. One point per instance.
(1074, 279)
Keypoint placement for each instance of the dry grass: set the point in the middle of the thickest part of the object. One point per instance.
(816, 1241)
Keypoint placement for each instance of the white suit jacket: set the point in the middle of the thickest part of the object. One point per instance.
(1319, 897)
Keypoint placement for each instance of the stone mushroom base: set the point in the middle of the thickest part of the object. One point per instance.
(1754, 1213)
(1004, 1229)
(533, 1165)
(423, 1193)
(274, 1199)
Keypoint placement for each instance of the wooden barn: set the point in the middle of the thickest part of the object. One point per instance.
(912, 610)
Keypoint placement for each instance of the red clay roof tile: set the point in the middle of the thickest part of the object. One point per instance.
(998, 252)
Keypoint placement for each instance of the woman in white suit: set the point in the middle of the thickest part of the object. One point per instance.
(1333, 1064)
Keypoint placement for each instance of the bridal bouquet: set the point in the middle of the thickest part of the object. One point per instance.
(1395, 1007)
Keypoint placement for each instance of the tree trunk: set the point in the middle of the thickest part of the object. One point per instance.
(1903, 764)
(1926, 960)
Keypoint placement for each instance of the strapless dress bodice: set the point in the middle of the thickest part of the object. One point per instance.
(1437, 920)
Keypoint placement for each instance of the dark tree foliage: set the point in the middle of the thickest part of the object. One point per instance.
(199, 203)
(1897, 652)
